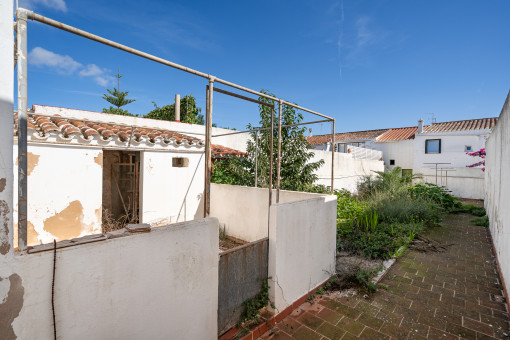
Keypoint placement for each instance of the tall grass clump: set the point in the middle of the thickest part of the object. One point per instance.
(388, 212)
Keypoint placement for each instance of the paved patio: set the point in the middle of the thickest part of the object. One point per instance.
(450, 295)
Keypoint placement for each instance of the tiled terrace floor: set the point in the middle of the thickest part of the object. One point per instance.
(446, 295)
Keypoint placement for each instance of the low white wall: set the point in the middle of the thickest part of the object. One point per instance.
(64, 192)
(157, 285)
(302, 248)
(243, 211)
(497, 189)
(348, 171)
(171, 194)
(463, 182)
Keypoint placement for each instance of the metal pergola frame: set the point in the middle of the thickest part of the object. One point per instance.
(23, 15)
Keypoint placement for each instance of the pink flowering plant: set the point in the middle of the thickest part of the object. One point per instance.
(480, 153)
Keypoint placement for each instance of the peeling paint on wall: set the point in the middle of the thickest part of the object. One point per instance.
(5, 245)
(66, 224)
(3, 182)
(33, 160)
(99, 159)
(11, 306)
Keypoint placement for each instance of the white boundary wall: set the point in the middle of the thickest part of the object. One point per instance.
(463, 182)
(497, 189)
(243, 211)
(302, 248)
(348, 170)
(153, 285)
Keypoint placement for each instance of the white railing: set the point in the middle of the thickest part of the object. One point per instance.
(363, 153)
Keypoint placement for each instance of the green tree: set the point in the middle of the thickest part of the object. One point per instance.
(190, 113)
(118, 99)
(296, 171)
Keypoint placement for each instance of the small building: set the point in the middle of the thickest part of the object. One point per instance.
(89, 171)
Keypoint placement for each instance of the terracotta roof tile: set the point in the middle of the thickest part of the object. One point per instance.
(346, 136)
(44, 126)
(398, 134)
(462, 125)
(220, 151)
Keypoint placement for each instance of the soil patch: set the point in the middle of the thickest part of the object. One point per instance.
(229, 242)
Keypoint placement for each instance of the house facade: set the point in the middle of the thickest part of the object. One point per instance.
(422, 148)
(87, 170)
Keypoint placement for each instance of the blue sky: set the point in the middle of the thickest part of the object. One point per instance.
(370, 64)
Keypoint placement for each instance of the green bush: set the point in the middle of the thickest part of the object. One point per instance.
(403, 209)
(470, 209)
(383, 242)
(482, 221)
(434, 193)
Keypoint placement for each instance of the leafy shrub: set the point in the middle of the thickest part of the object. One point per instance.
(403, 209)
(482, 221)
(470, 209)
(434, 193)
(383, 242)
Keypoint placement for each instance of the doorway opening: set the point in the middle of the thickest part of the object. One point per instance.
(121, 189)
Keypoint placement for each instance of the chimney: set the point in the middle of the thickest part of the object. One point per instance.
(177, 108)
(310, 132)
(420, 126)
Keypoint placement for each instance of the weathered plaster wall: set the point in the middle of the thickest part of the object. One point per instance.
(157, 285)
(497, 189)
(348, 171)
(243, 211)
(302, 247)
(168, 193)
(64, 192)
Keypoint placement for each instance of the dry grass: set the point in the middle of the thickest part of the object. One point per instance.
(112, 224)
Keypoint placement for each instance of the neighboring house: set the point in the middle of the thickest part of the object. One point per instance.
(416, 149)
(88, 168)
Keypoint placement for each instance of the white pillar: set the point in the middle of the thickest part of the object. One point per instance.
(6, 126)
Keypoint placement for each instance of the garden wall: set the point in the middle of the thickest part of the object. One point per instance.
(348, 170)
(497, 190)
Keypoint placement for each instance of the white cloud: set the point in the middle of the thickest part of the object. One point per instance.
(65, 64)
(61, 63)
(91, 70)
(59, 5)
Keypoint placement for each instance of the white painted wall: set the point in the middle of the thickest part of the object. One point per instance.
(6, 131)
(400, 151)
(452, 148)
(348, 171)
(157, 285)
(170, 194)
(302, 248)
(64, 186)
(237, 141)
(463, 182)
(497, 189)
(243, 211)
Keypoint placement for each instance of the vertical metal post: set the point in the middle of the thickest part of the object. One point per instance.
(271, 158)
(278, 164)
(177, 108)
(208, 134)
(332, 157)
(21, 39)
(256, 158)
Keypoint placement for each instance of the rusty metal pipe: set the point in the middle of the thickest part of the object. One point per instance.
(37, 17)
(21, 40)
(268, 128)
(278, 162)
(208, 134)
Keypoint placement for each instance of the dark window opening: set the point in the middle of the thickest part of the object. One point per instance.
(433, 146)
(180, 162)
(392, 162)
